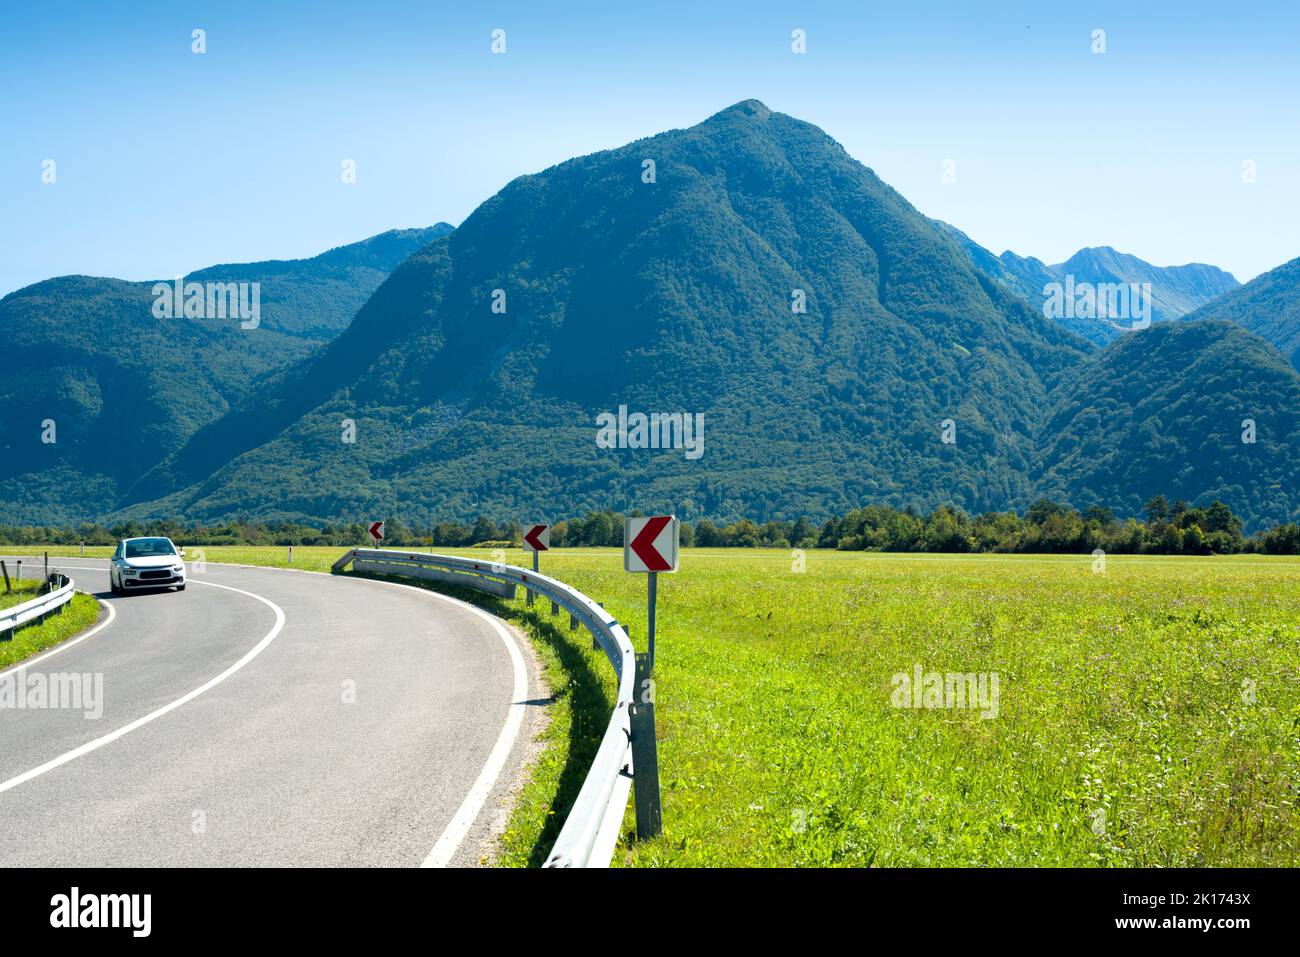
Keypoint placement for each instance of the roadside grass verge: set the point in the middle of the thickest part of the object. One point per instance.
(1149, 715)
(22, 591)
(31, 639)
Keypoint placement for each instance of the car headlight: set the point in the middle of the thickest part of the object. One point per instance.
(178, 568)
(131, 570)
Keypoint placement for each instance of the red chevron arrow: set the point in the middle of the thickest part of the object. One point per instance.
(644, 544)
(533, 538)
(377, 531)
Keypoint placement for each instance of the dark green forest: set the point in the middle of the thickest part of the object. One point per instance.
(1168, 528)
(1268, 305)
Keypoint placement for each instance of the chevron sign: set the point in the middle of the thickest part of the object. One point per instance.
(650, 544)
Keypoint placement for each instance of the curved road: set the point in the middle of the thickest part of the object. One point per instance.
(269, 717)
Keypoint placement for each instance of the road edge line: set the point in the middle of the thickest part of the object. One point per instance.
(97, 743)
(453, 835)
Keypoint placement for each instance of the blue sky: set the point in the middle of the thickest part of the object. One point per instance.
(167, 161)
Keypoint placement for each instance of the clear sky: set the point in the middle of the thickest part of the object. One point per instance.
(167, 161)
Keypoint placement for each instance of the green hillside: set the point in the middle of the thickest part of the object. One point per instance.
(1268, 305)
(671, 296)
(125, 388)
(1161, 412)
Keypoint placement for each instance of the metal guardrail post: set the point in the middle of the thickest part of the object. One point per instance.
(645, 754)
(651, 595)
(535, 570)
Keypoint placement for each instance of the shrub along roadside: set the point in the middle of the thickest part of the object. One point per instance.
(1047, 527)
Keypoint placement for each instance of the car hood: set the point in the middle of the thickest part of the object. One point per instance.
(154, 561)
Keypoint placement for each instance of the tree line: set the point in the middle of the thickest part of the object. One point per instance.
(1167, 528)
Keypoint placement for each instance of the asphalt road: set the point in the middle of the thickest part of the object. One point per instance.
(266, 717)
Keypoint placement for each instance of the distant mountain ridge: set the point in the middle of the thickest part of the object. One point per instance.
(125, 388)
(316, 298)
(1175, 290)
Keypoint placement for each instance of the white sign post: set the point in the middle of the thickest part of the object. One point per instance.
(537, 540)
(649, 545)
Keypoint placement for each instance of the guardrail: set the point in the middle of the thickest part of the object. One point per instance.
(591, 830)
(11, 618)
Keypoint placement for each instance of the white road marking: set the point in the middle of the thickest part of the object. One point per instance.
(454, 833)
(467, 814)
(449, 842)
(447, 845)
(112, 736)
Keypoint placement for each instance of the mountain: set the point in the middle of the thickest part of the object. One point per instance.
(316, 298)
(1163, 412)
(674, 295)
(125, 388)
(1175, 290)
(746, 273)
(1268, 305)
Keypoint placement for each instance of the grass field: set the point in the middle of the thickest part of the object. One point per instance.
(22, 591)
(32, 639)
(1147, 715)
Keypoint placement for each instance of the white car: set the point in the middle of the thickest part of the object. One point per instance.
(146, 563)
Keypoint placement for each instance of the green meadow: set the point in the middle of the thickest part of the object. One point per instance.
(1148, 713)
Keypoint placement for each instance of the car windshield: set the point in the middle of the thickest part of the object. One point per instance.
(148, 547)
